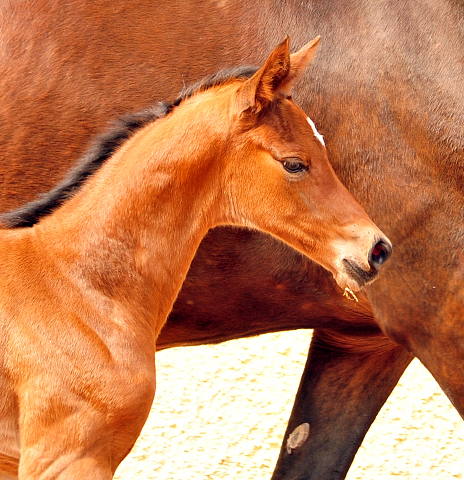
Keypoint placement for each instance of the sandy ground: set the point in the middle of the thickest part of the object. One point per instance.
(221, 412)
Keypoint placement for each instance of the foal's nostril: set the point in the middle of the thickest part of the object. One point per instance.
(380, 253)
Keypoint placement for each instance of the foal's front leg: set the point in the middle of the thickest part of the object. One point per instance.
(4, 476)
(66, 436)
(8, 467)
(73, 445)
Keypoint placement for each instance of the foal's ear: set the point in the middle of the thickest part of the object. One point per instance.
(298, 63)
(276, 75)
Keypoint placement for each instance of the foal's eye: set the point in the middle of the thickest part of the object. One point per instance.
(294, 165)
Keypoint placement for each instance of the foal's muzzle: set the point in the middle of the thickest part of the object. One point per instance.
(379, 254)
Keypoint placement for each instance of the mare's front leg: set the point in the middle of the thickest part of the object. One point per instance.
(346, 381)
(424, 311)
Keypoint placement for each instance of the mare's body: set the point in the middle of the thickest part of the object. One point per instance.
(388, 95)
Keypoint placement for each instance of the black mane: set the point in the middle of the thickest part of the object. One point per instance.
(104, 147)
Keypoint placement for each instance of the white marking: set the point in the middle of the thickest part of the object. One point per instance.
(316, 133)
(298, 437)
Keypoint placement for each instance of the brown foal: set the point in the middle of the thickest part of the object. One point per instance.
(85, 292)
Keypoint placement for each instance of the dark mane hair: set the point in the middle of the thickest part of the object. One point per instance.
(105, 145)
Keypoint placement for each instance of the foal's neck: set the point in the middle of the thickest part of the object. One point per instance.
(134, 229)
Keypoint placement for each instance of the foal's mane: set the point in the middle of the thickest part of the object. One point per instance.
(105, 145)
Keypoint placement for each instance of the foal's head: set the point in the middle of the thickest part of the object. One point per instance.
(278, 177)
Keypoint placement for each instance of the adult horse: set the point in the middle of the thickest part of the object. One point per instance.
(386, 91)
